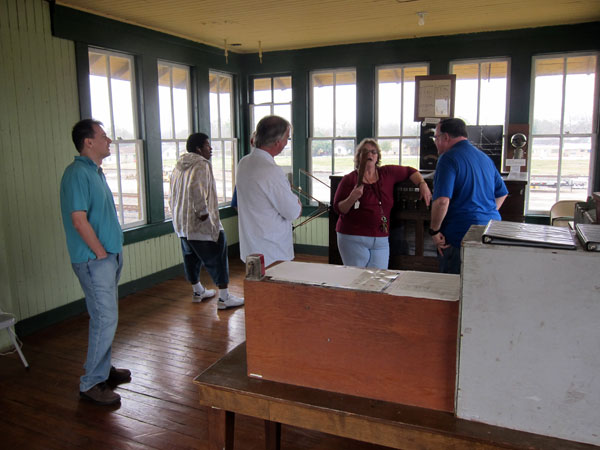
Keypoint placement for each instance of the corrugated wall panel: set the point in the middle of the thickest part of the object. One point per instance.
(7, 141)
(315, 232)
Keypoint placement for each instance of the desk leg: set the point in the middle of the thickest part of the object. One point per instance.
(272, 435)
(220, 429)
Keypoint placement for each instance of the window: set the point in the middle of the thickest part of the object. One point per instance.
(481, 91)
(333, 127)
(270, 96)
(562, 131)
(397, 132)
(222, 134)
(174, 99)
(112, 91)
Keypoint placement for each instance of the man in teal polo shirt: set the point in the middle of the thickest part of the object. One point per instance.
(95, 244)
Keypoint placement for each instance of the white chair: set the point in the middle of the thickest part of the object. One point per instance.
(7, 321)
(562, 212)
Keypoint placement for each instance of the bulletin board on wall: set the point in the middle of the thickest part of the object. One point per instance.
(434, 96)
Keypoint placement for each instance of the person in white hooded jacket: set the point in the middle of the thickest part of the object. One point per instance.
(196, 221)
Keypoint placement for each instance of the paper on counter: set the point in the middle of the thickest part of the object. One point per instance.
(374, 280)
(346, 277)
(435, 286)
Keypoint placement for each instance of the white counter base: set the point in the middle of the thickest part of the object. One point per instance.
(529, 354)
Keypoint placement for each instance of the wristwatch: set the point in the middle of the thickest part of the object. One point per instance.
(433, 232)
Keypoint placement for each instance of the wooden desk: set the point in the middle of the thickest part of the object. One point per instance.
(225, 388)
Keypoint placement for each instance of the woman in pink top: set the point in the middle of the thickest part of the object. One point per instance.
(364, 207)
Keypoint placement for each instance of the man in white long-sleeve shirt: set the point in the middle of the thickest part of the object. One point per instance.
(266, 204)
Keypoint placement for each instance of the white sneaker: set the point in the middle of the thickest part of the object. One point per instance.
(207, 293)
(231, 302)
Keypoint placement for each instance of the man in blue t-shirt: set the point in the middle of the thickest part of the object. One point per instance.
(467, 190)
(95, 244)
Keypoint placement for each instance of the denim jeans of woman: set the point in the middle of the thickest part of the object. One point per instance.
(99, 279)
(364, 251)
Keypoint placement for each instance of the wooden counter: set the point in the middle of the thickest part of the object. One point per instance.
(369, 344)
(226, 390)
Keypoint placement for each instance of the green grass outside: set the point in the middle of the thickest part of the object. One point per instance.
(570, 167)
(345, 164)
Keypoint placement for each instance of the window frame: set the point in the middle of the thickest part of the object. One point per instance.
(331, 139)
(593, 134)
(272, 105)
(117, 142)
(479, 62)
(233, 139)
(177, 141)
(403, 114)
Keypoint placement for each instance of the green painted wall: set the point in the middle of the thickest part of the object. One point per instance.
(313, 233)
(39, 104)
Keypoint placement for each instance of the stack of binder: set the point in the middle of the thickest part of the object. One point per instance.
(589, 236)
(528, 235)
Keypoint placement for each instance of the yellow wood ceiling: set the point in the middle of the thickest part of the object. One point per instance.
(294, 24)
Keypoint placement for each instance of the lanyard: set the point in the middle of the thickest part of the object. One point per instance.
(384, 222)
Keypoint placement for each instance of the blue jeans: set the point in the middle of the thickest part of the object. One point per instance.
(450, 260)
(99, 279)
(364, 251)
(212, 255)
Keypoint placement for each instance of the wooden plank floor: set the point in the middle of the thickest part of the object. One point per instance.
(165, 340)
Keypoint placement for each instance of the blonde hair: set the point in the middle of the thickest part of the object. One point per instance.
(359, 148)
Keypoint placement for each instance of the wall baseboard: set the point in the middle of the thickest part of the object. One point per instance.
(318, 250)
(38, 322)
(46, 319)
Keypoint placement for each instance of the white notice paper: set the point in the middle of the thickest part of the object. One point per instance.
(441, 107)
(514, 175)
(515, 162)
(374, 280)
(436, 286)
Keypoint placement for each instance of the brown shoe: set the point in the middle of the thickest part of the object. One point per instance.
(118, 376)
(101, 394)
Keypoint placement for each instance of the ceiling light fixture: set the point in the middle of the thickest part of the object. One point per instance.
(421, 20)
